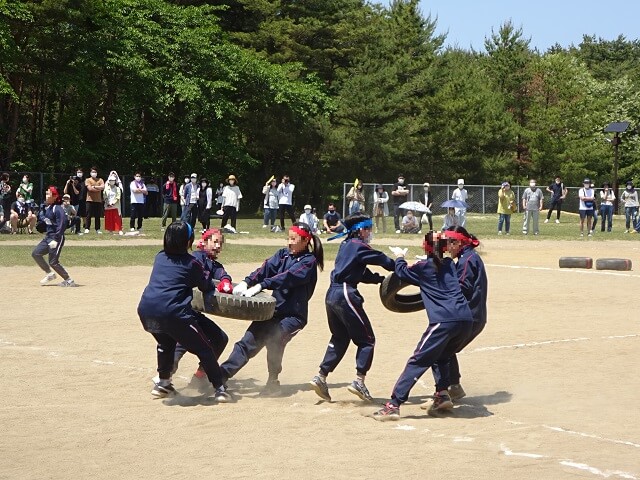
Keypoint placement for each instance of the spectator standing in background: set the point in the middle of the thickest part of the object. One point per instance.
(380, 207)
(630, 199)
(94, 186)
(427, 200)
(181, 195)
(587, 206)
(205, 201)
(356, 198)
(461, 195)
(170, 197)
(506, 206)
(532, 200)
(190, 196)
(285, 200)
(400, 194)
(607, 197)
(138, 191)
(5, 192)
(270, 204)
(113, 205)
(231, 196)
(558, 194)
(219, 198)
(72, 188)
(153, 199)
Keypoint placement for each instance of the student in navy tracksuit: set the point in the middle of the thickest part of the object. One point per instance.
(348, 321)
(56, 221)
(450, 320)
(291, 274)
(165, 310)
(473, 281)
(209, 248)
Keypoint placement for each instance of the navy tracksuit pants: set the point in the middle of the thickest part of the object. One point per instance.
(191, 336)
(348, 322)
(54, 257)
(213, 332)
(453, 369)
(273, 334)
(440, 340)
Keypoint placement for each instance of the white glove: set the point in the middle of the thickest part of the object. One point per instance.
(240, 288)
(399, 252)
(252, 291)
(52, 244)
(422, 257)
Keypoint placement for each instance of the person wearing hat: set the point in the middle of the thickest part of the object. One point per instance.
(630, 199)
(113, 204)
(461, 195)
(426, 198)
(73, 221)
(558, 193)
(231, 197)
(607, 197)
(587, 204)
(506, 206)
(399, 193)
(380, 208)
(310, 218)
(54, 221)
(190, 196)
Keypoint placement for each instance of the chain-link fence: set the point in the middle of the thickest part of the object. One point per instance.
(481, 198)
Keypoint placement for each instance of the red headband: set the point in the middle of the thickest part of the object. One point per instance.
(54, 191)
(303, 233)
(474, 242)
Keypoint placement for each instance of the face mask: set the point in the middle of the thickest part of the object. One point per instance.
(532, 184)
(307, 211)
(94, 174)
(401, 181)
(203, 185)
(137, 178)
(79, 174)
(186, 180)
(25, 180)
(331, 211)
(426, 189)
(193, 180)
(232, 182)
(557, 182)
(171, 179)
(20, 199)
(629, 187)
(112, 182)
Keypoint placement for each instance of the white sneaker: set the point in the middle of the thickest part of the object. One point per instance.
(68, 283)
(546, 221)
(86, 230)
(99, 232)
(120, 232)
(557, 221)
(132, 229)
(48, 278)
(398, 231)
(265, 226)
(500, 232)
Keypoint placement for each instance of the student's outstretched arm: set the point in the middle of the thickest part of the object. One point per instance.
(300, 273)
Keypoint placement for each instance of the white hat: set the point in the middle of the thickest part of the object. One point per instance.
(461, 181)
(307, 206)
(194, 175)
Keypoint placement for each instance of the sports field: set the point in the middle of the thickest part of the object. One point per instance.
(552, 384)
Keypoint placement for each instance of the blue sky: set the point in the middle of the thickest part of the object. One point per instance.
(544, 21)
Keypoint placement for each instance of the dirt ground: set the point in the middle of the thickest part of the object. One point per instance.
(552, 385)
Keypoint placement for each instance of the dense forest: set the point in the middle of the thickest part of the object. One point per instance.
(324, 90)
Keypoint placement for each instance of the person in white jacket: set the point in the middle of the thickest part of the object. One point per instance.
(231, 197)
(285, 200)
(310, 219)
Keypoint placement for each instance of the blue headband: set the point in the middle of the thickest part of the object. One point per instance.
(367, 223)
(189, 229)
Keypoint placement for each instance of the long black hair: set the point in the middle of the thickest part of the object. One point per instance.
(318, 250)
(178, 238)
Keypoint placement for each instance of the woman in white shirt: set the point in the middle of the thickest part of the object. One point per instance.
(285, 200)
(630, 199)
(138, 193)
(231, 196)
(606, 207)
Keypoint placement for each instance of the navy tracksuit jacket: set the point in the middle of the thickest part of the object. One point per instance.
(165, 312)
(292, 280)
(450, 319)
(474, 285)
(345, 313)
(56, 221)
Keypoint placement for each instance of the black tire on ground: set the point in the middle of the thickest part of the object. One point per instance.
(623, 264)
(258, 308)
(575, 262)
(398, 302)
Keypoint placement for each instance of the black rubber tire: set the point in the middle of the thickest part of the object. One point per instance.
(395, 301)
(575, 262)
(258, 308)
(622, 264)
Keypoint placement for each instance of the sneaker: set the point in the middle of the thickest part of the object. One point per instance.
(271, 389)
(590, 234)
(397, 231)
(320, 387)
(581, 234)
(557, 221)
(361, 390)
(222, 396)
(49, 277)
(499, 232)
(456, 392)
(99, 232)
(626, 231)
(161, 391)
(132, 229)
(265, 226)
(524, 232)
(68, 283)
(441, 403)
(386, 413)
(120, 232)
(546, 221)
(507, 233)
(86, 230)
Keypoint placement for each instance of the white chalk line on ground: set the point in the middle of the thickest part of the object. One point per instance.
(564, 270)
(547, 342)
(406, 427)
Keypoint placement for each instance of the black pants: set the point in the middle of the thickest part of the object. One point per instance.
(74, 224)
(229, 213)
(191, 336)
(557, 204)
(282, 208)
(214, 333)
(205, 218)
(137, 210)
(94, 210)
(398, 213)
